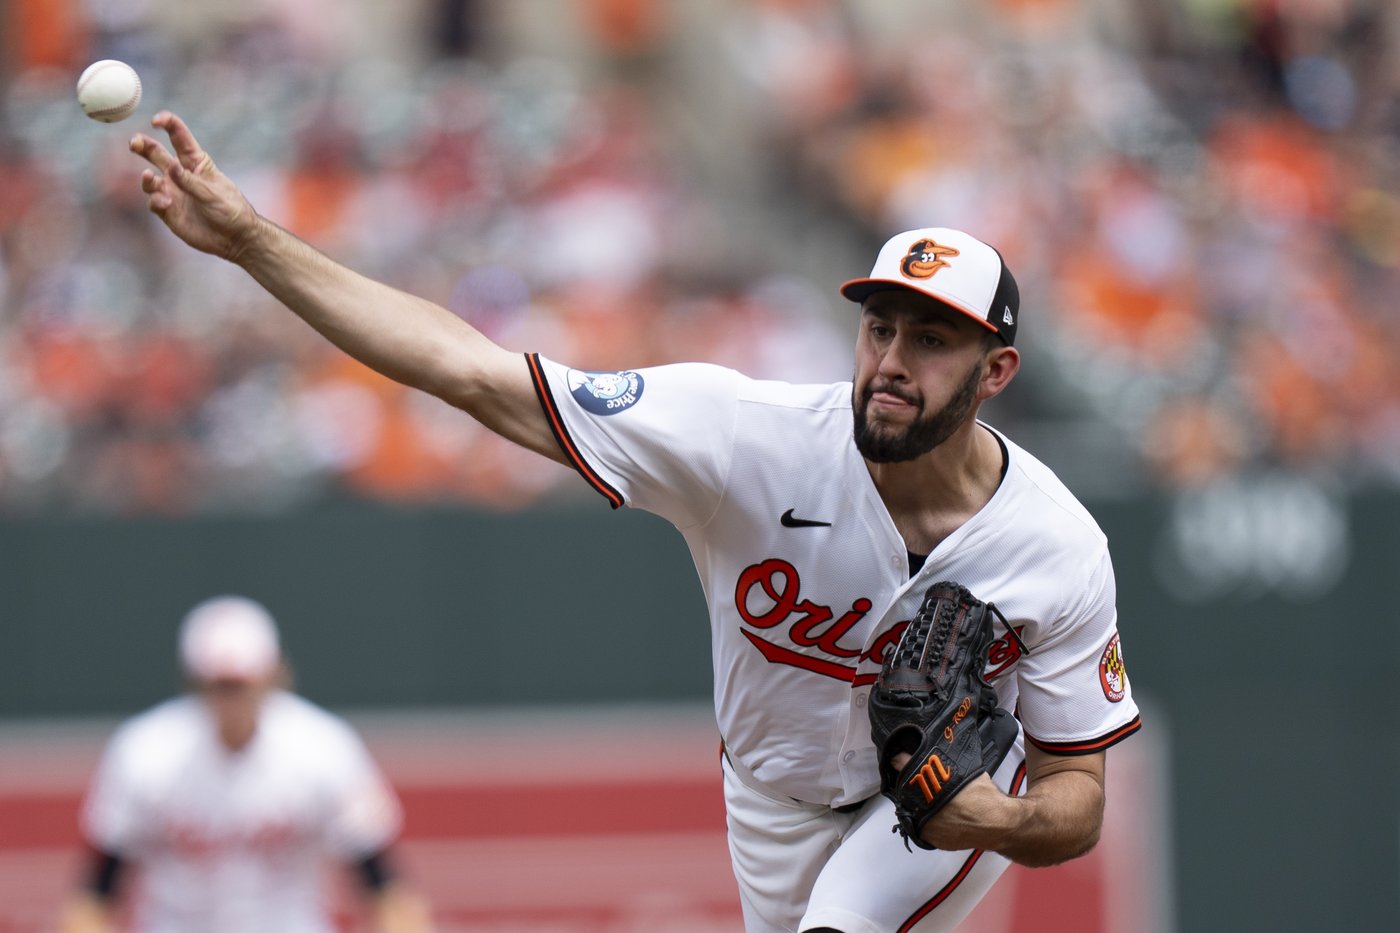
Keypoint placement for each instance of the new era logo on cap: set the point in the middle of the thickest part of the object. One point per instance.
(952, 266)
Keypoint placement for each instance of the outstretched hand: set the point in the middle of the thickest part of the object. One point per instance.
(188, 192)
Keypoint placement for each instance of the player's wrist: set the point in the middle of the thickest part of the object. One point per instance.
(251, 244)
(86, 913)
(1006, 819)
(981, 816)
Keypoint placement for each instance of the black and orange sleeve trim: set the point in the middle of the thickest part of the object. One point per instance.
(1089, 746)
(561, 434)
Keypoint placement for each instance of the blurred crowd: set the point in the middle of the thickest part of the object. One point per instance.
(1199, 199)
(141, 377)
(1204, 194)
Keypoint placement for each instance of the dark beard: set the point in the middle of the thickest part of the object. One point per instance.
(926, 433)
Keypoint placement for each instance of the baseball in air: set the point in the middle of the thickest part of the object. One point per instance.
(109, 90)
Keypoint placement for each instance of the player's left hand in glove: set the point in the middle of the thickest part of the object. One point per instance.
(932, 701)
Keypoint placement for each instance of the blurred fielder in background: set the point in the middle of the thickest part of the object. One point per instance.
(228, 801)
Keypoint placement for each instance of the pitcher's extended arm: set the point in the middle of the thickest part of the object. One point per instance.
(408, 339)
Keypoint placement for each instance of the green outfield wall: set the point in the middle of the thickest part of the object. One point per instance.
(1259, 620)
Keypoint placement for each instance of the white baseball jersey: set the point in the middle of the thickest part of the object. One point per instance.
(229, 842)
(807, 578)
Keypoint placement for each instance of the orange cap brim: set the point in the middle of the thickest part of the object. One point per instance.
(858, 290)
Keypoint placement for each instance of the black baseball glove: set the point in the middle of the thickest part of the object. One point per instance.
(932, 701)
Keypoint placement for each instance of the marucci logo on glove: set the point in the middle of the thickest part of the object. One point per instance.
(934, 774)
(931, 777)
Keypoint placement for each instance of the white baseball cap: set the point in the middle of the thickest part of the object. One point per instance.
(229, 638)
(951, 266)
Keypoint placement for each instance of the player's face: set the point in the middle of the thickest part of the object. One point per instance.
(918, 370)
(235, 705)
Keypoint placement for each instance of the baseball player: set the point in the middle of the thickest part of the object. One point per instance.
(229, 800)
(817, 516)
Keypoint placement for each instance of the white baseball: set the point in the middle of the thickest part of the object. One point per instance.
(109, 90)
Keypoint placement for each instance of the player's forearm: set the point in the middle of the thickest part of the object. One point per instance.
(1058, 819)
(85, 912)
(406, 338)
(398, 910)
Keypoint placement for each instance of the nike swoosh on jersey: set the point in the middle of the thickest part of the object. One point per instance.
(790, 522)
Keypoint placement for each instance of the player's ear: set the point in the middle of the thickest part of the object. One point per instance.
(999, 365)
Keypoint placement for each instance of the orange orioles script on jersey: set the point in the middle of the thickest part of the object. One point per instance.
(810, 625)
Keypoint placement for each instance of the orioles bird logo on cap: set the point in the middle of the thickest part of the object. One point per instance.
(925, 258)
